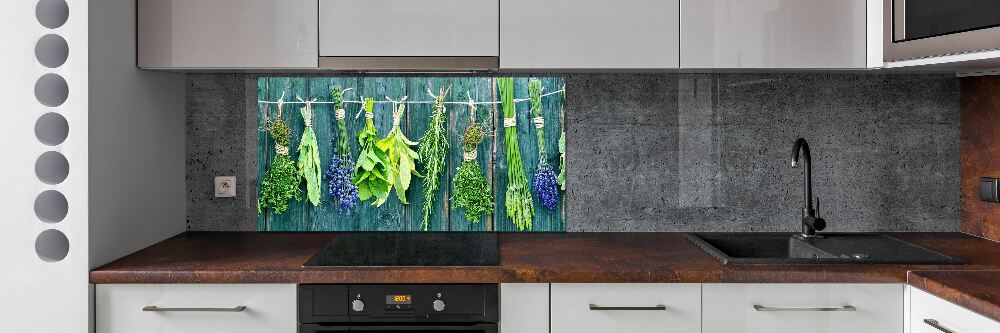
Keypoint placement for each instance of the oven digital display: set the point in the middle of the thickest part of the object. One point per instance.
(398, 299)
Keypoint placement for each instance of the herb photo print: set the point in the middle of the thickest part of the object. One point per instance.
(411, 154)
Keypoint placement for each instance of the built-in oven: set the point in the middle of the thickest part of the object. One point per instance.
(916, 29)
(375, 308)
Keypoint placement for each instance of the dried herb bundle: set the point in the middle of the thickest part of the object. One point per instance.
(371, 172)
(472, 191)
(402, 159)
(281, 181)
(546, 181)
(433, 148)
(340, 174)
(520, 209)
(308, 162)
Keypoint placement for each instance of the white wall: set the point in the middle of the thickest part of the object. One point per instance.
(137, 186)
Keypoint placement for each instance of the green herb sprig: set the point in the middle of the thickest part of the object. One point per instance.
(518, 198)
(308, 162)
(434, 148)
(371, 173)
(281, 181)
(402, 159)
(472, 191)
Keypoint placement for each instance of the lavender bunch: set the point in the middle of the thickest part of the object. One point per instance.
(340, 174)
(546, 185)
(546, 182)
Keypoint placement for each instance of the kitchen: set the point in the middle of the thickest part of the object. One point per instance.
(238, 165)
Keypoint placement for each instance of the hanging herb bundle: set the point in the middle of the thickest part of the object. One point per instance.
(281, 182)
(339, 174)
(434, 148)
(520, 209)
(472, 191)
(546, 183)
(562, 147)
(371, 173)
(402, 159)
(562, 161)
(308, 161)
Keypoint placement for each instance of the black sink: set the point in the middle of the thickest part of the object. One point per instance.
(788, 248)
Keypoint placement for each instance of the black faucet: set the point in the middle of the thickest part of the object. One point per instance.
(810, 221)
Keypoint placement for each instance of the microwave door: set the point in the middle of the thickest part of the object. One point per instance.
(916, 19)
(916, 29)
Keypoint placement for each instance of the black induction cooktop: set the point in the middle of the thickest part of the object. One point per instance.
(409, 249)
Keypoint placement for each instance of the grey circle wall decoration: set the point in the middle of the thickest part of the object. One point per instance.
(51, 206)
(51, 90)
(51, 51)
(51, 129)
(52, 167)
(52, 13)
(52, 245)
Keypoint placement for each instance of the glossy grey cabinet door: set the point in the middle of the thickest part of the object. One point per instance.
(180, 34)
(589, 34)
(779, 34)
(409, 28)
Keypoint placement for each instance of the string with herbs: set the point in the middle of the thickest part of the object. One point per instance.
(518, 203)
(433, 149)
(545, 183)
(472, 192)
(308, 161)
(339, 174)
(371, 172)
(401, 157)
(281, 181)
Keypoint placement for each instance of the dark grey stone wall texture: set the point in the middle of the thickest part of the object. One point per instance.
(684, 152)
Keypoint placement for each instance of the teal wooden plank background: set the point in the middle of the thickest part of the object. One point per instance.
(394, 215)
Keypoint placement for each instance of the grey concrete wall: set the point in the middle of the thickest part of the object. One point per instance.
(685, 152)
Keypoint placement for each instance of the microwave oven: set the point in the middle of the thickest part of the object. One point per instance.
(915, 29)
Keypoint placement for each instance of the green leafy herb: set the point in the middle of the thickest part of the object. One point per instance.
(402, 159)
(281, 181)
(434, 148)
(371, 173)
(472, 191)
(308, 162)
(520, 209)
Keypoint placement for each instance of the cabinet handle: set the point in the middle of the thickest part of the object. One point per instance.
(596, 307)
(935, 324)
(159, 309)
(759, 307)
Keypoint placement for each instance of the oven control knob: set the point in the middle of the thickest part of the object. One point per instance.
(438, 305)
(358, 305)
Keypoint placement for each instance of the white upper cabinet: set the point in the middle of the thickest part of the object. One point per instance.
(195, 34)
(408, 28)
(589, 34)
(780, 34)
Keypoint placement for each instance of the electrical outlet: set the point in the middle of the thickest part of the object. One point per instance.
(225, 187)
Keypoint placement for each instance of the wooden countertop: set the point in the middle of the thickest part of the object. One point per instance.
(978, 291)
(247, 257)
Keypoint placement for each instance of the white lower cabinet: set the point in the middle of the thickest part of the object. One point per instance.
(524, 308)
(634, 308)
(930, 314)
(803, 308)
(189, 308)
